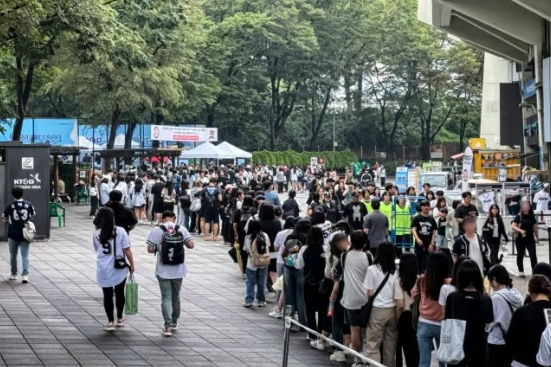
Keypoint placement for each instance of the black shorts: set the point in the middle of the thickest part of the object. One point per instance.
(158, 206)
(353, 317)
(273, 266)
(212, 216)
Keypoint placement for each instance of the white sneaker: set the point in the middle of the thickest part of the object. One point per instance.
(276, 314)
(25, 279)
(318, 344)
(338, 356)
(521, 274)
(13, 277)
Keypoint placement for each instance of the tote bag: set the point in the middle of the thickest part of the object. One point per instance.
(131, 305)
(452, 336)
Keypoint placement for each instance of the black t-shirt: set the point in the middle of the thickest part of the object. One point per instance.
(18, 213)
(463, 211)
(526, 222)
(355, 214)
(271, 228)
(425, 227)
(441, 231)
(209, 197)
(124, 217)
(157, 191)
(476, 308)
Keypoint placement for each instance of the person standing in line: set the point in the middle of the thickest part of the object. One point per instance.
(156, 195)
(94, 199)
(525, 225)
(376, 226)
(492, 231)
(112, 246)
(506, 300)
(423, 228)
(257, 246)
(211, 198)
(406, 346)
(16, 214)
(168, 242)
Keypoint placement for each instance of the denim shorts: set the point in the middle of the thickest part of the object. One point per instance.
(441, 241)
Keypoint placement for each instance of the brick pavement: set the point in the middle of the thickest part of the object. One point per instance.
(57, 319)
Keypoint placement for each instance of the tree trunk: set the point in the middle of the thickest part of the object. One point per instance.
(23, 89)
(129, 133)
(347, 93)
(359, 92)
(114, 125)
(210, 115)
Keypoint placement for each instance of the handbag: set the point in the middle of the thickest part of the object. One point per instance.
(326, 287)
(366, 310)
(452, 336)
(29, 232)
(131, 303)
(120, 262)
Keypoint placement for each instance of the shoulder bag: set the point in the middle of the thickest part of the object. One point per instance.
(120, 262)
(366, 310)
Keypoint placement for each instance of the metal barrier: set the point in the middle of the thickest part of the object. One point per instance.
(289, 321)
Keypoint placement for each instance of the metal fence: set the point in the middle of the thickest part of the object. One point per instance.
(290, 321)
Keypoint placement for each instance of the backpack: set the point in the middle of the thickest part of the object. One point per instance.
(209, 200)
(172, 246)
(185, 200)
(260, 252)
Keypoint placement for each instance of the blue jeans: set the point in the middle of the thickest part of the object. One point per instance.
(293, 290)
(186, 213)
(256, 278)
(15, 246)
(170, 300)
(426, 333)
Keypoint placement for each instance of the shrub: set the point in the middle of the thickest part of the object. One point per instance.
(340, 159)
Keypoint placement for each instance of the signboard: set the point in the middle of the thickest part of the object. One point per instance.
(467, 169)
(477, 143)
(29, 168)
(313, 161)
(529, 88)
(402, 178)
(183, 133)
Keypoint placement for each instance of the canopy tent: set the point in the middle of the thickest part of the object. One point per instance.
(119, 143)
(207, 150)
(85, 144)
(232, 149)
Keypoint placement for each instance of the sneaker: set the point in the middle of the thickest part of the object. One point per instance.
(174, 328)
(318, 344)
(247, 305)
(276, 314)
(521, 274)
(25, 279)
(338, 356)
(121, 322)
(13, 277)
(109, 327)
(167, 331)
(261, 304)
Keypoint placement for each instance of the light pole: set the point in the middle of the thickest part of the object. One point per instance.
(334, 141)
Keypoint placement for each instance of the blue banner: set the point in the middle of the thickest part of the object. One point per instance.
(529, 88)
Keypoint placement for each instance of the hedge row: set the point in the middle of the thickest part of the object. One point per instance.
(340, 159)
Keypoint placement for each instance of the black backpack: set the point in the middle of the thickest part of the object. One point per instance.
(261, 245)
(172, 246)
(185, 199)
(209, 199)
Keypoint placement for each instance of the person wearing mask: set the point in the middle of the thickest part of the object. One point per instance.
(525, 227)
(290, 206)
(382, 327)
(376, 226)
(104, 191)
(465, 210)
(279, 246)
(256, 242)
(506, 300)
(406, 345)
(472, 245)
(431, 313)
(493, 230)
(355, 212)
(469, 303)
(269, 194)
(111, 243)
(528, 323)
(423, 229)
(168, 242)
(293, 278)
(311, 259)
(138, 200)
(124, 217)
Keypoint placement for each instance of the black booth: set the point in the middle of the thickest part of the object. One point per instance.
(27, 166)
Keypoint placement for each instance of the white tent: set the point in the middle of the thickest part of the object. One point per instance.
(206, 150)
(119, 143)
(237, 153)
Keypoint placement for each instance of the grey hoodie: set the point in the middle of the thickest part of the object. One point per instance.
(502, 313)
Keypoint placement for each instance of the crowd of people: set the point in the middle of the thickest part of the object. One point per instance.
(375, 270)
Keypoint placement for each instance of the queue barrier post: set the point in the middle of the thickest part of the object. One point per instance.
(287, 335)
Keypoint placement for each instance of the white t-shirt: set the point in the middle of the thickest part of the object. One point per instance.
(474, 252)
(247, 247)
(399, 293)
(544, 353)
(374, 278)
(445, 291)
(155, 240)
(542, 200)
(279, 243)
(106, 274)
(487, 199)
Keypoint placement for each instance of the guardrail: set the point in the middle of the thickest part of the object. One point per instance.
(289, 322)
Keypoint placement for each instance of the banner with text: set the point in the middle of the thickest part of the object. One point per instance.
(184, 133)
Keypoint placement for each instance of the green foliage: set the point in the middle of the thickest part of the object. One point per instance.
(339, 159)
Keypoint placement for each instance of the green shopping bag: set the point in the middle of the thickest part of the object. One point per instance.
(131, 305)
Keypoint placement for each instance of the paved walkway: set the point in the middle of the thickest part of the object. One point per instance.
(56, 320)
